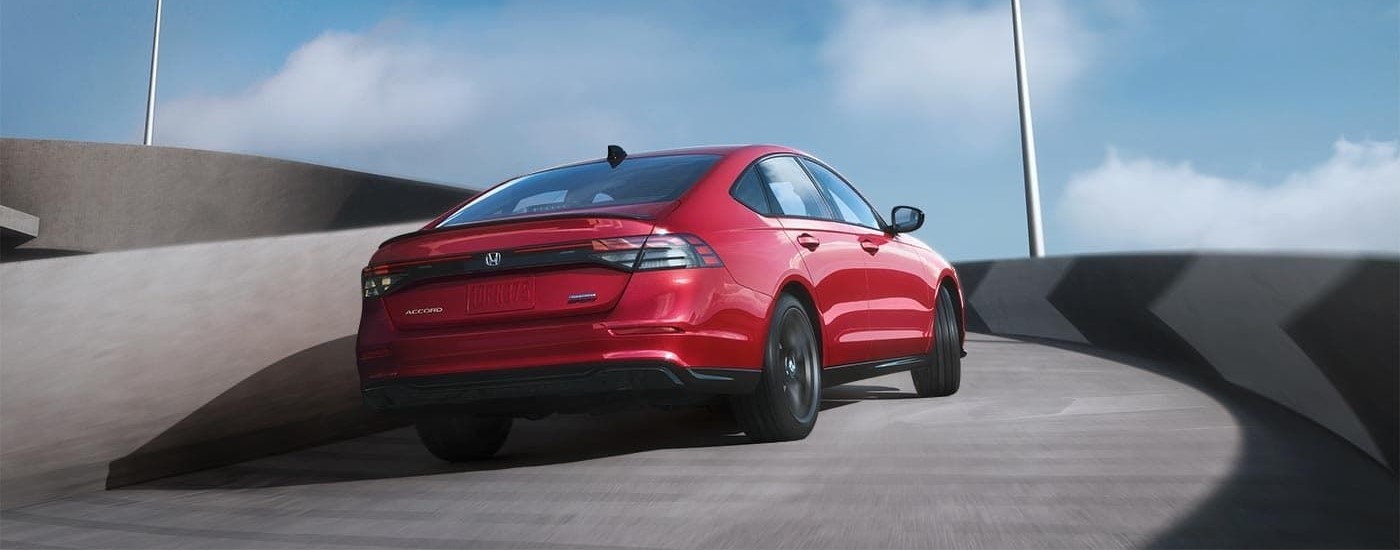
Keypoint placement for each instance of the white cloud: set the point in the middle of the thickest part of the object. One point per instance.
(495, 91)
(953, 64)
(453, 103)
(1350, 202)
(340, 90)
(474, 99)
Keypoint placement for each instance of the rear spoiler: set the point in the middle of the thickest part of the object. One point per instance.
(514, 219)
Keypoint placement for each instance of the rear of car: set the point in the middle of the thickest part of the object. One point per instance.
(559, 291)
(666, 278)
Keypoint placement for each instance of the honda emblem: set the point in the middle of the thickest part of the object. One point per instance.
(493, 259)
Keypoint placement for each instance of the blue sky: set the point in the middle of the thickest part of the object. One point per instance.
(1182, 124)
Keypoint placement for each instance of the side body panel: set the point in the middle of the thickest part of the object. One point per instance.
(941, 273)
(902, 302)
(837, 267)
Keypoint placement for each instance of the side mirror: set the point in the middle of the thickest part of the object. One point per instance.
(906, 219)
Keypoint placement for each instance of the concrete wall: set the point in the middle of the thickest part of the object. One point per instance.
(117, 357)
(210, 318)
(92, 197)
(1317, 335)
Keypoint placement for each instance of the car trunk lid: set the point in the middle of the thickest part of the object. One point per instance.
(513, 270)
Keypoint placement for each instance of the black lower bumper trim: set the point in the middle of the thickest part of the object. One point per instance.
(513, 388)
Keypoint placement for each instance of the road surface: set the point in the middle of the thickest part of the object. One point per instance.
(1044, 446)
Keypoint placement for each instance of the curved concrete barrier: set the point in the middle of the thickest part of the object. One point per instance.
(1316, 335)
(211, 320)
(97, 197)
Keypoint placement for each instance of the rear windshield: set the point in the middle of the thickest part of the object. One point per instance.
(587, 186)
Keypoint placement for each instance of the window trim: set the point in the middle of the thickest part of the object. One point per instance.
(879, 220)
(773, 199)
(777, 213)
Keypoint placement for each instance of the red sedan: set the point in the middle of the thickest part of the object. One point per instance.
(756, 273)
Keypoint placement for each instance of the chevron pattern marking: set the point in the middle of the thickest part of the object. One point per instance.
(1316, 335)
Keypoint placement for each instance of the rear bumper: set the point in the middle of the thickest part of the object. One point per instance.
(683, 333)
(689, 318)
(545, 389)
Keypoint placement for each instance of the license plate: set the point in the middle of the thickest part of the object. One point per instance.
(495, 297)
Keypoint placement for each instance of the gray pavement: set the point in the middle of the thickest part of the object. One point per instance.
(1045, 446)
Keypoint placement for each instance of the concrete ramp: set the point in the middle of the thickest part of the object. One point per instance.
(1046, 446)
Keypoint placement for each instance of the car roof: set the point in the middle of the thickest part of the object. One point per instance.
(701, 150)
(722, 150)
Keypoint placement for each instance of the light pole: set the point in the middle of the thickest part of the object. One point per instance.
(1033, 227)
(151, 91)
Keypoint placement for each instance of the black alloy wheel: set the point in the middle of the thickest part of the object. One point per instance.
(784, 407)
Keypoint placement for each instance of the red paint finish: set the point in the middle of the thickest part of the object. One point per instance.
(697, 317)
(901, 299)
(838, 272)
(873, 291)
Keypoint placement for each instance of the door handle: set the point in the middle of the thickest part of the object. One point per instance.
(807, 241)
(869, 246)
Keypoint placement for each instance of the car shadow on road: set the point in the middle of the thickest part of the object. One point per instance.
(840, 396)
(557, 439)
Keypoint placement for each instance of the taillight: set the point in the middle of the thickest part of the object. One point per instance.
(636, 253)
(646, 253)
(377, 281)
(619, 251)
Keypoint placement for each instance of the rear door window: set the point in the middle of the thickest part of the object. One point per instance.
(794, 192)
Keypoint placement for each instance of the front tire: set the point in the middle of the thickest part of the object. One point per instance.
(461, 438)
(941, 374)
(784, 406)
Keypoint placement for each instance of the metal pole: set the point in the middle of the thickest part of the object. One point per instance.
(1033, 228)
(151, 91)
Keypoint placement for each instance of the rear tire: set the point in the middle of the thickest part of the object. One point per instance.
(941, 374)
(460, 438)
(784, 407)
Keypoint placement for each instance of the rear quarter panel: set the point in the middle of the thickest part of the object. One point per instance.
(755, 249)
(758, 251)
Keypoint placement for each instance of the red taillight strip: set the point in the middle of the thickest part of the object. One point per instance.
(707, 254)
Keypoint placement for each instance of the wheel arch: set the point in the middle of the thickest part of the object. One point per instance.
(949, 281)
(799, 290)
